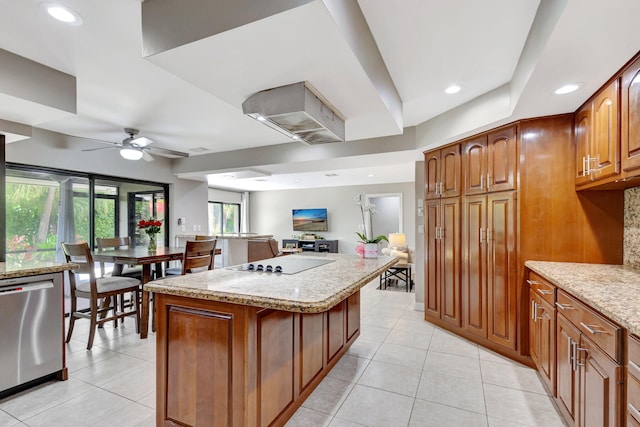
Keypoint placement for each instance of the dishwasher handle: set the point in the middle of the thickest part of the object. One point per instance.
(27, 287)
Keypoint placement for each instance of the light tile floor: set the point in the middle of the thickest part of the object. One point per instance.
(402, 371)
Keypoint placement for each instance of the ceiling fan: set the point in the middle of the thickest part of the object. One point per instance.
(136, 147)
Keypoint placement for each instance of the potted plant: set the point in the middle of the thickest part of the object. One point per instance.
(368, 243)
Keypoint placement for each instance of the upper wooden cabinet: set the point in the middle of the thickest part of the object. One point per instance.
(489, 162)
(442, 172)
(630, 115)
(597, 137)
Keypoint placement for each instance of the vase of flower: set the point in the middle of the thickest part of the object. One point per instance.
(371, 250)
(152, 246)
(152, 228)
(368, 247)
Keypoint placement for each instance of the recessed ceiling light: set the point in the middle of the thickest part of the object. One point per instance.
(371, 175)
(260, 118)
(62, 13)
(296, 137)
(452, 89)
(567, 89)
(330, 174)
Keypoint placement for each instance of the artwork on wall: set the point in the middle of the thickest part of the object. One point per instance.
(310, 220)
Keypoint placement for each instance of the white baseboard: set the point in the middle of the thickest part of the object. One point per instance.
(419, 306)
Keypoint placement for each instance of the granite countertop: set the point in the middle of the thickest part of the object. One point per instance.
(10, 270)
(309, 291)
(613, 290)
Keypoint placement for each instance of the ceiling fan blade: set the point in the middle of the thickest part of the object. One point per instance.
(147, 157)
(100, 148)
(167, 152)
(141, 141)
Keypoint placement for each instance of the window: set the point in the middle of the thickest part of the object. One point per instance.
(47, 206)
(224, 218)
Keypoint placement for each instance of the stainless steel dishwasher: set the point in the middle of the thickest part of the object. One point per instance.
(32, 322)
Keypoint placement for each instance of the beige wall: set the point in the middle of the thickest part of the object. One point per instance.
(271, 211)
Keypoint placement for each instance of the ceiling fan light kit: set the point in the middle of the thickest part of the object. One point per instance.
(131, 153)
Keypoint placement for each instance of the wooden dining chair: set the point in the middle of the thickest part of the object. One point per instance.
(205, 237)
(197, 254)
(106, 243)
(101, 292)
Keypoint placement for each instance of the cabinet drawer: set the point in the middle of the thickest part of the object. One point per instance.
(606, 334)
(542, 287)
(634, 357)
(633, 398)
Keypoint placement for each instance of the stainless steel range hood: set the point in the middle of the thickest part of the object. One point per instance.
(298, 111)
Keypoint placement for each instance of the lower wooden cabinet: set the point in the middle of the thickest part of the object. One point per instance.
(590, 380)
(224, 364)
(633, 382)
(542, 338)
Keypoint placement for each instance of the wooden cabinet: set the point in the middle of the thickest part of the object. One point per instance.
(590, 383)
(227, 364)
(542, 329)
(489, 162)
(489, 267)
(442, 296)
(597, 137)
(442, 172)
(312, 245)
(630, 119)
(633, 381)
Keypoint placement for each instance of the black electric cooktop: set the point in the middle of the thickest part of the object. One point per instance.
(282, 265)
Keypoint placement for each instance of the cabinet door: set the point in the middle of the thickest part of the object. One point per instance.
(474, 166)
(582, 131)
(630, 134)
(474, 261)
(501, 269)
(534, 333)
(432, 174)
(567, 337)
(606, 144)
(432, 256)
(450, 171)
(450, 261)
(546, 331)
(501, 160)
(601, 387)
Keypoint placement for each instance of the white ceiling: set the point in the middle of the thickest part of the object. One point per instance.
(189, 98)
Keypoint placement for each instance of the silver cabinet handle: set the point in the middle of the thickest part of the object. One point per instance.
(533, 310)
(577, 359)
(635, 366)
(488, 181)
(481, 235)
(634, 412)
(570, 353)
(441, 188)
(482, 182)
(564, 306)
(489, 234)
(574, 354)
(545, 292)
(591, 330)
(532, 282)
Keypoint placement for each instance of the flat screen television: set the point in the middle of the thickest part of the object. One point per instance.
(310, 220)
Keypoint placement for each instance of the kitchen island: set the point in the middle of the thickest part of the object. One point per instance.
(32, 318)
(245, 348)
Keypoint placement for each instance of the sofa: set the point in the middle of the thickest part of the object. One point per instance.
(262, 249)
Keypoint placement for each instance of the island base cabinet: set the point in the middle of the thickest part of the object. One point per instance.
(222, 364)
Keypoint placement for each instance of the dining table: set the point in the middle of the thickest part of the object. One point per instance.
(140, 255)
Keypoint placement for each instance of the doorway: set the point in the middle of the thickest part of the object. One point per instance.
(388, 213)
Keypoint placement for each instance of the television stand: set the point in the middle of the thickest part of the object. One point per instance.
(312, 245)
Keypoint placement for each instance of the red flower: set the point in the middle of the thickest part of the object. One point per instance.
(151, 226)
